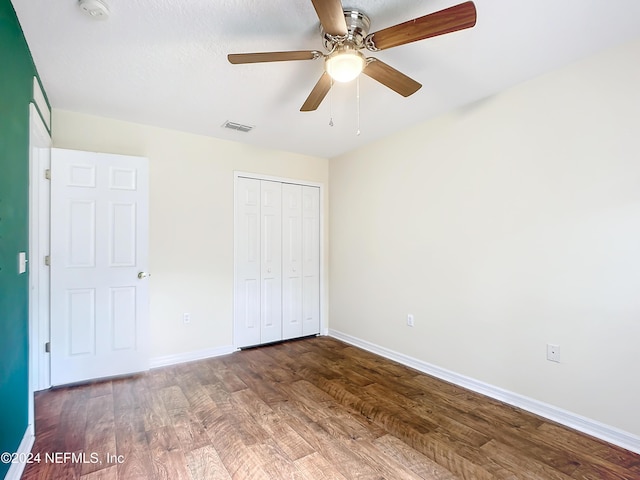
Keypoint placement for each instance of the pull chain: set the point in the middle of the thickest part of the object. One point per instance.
(358, 103)
(331, 104)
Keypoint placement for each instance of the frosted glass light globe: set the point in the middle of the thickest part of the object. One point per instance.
(345, 65)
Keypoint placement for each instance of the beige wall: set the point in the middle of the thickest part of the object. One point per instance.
(503, 227)
(191, 219)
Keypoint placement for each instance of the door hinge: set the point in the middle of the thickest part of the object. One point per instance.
(47, 347)
(47, 260)
(47, 174)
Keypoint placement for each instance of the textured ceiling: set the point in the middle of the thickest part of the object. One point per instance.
(163, 63)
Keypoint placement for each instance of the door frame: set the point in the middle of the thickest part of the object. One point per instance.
(39, 222)
(324, 328)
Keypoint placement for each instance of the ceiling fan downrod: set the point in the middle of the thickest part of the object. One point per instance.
(358, 24)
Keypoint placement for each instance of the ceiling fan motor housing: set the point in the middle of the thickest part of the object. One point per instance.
(358, 25)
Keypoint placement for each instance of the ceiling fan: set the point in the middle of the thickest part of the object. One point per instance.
(346, 31)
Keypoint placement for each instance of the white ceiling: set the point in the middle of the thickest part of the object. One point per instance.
(163, 63)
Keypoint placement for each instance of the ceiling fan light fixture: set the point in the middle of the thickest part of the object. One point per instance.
(345, 64)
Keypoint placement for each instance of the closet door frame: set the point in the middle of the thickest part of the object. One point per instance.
(322, 291)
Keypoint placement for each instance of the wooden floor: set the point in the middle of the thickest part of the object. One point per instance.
(310, 409)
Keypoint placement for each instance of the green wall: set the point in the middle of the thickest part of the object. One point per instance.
(16, 78)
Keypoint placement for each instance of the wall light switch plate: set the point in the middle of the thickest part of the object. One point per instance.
(22, 262)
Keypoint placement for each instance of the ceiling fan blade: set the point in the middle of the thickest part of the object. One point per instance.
(390, 77)
(331, 16)
(448, 20)
(237, 58)
(318, 93)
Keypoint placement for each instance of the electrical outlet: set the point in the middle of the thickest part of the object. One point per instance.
(410, 320)
(186, 318)
(553, 352)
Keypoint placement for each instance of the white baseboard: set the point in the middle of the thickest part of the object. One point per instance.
(174, 359)
(591, 427)
(16, 469)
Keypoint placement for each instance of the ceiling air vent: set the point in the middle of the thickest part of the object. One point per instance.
(237, 126)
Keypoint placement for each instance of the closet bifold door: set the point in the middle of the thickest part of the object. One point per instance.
(292, 268)
(271, 261)
(277, 261)
(248, 264)
(310, 260)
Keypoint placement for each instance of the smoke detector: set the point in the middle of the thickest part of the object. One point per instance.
(96, 9)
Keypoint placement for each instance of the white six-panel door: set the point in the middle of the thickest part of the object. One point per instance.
(99, 289)
(277, 287)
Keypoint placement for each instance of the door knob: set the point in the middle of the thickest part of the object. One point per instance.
(142, 275)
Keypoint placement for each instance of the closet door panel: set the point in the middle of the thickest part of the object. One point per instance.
(291, 261)
(271, 264)
(310, 260)
(248, 264)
